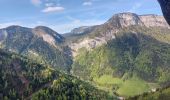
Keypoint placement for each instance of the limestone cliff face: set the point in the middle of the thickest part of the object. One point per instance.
(48, 35)
(154, 21)
(88, 43)
(124, 20)
(129, 19)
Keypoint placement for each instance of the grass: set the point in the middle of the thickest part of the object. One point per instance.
(133, 87)
(130, 87)
(108, 80)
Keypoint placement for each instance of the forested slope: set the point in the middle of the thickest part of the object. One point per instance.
(21, 78)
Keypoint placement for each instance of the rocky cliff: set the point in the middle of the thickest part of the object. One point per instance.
(154, 21)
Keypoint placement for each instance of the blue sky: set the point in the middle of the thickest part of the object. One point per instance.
(64, 15)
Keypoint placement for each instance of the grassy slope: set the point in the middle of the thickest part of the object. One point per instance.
(133, 87)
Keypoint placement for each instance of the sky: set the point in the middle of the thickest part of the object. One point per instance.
(64, 15)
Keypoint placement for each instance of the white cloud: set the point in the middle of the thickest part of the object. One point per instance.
(53, 9)
(36, 2)
(87, 3)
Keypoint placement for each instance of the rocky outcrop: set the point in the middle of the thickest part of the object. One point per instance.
(88, 43)
(48, 35)
(124, 20)
(130, 19)
(154, 21)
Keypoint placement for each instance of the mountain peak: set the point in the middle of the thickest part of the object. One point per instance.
(124, 19)
(48, 34)
(15, 27)
(44, 29)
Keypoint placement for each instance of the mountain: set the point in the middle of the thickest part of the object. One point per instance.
(81, 30)
(40, 43)
(131, 58)
(127, 55)
(102, 33)
(23, 79)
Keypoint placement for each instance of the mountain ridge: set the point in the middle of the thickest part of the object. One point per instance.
(40, 43)
(93, 36)
(100, 34)
(157, 18)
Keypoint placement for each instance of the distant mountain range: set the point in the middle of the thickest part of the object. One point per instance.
(122, 20)
(127, 55)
